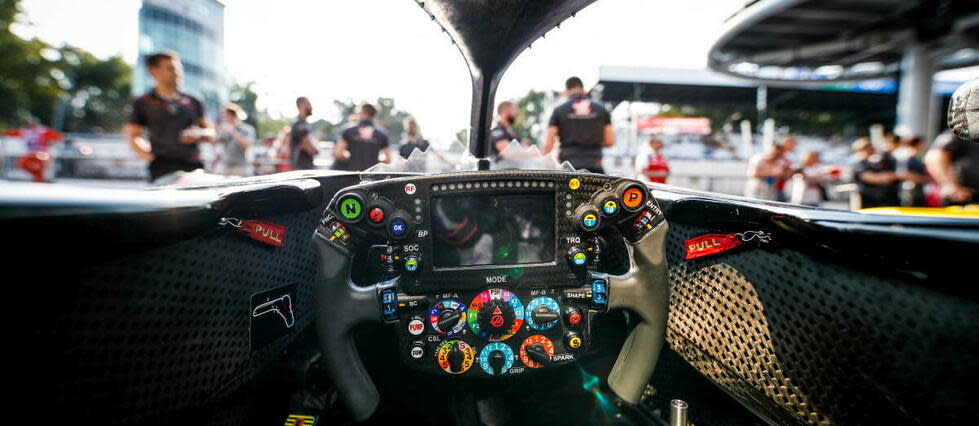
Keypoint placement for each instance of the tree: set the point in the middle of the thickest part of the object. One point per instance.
(268, 126)
(95, 92)
(65, 87)
(388, 117)
(533, 115)
(245, 97)
(21, 69)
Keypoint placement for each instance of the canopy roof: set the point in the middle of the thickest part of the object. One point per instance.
(704, 88)
(807, 40)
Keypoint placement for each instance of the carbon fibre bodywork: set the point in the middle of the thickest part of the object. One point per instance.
(847, 318)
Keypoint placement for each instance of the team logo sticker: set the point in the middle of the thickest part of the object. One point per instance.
(365, 132)
(581, 107)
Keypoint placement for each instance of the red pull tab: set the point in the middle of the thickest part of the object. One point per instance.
(268, 233)
(706, 245)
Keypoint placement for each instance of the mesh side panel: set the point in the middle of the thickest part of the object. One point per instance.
(803, 341)
(145, 336)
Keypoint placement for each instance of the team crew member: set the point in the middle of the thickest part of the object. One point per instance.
(235, 137)
(954, 163)
(501, 134)
(360, 144)
(875, 176)
(651, 163)
(175, 121)
(302, 144)
(413, 139)
(910, 162)
(583, 126)
(787, 145)
(39, 139)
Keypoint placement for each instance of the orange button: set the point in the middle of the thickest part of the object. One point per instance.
(632, 197)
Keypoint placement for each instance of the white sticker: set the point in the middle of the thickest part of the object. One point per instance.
(416, 327)
(410, 188)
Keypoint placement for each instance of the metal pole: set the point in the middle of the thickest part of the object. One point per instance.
(768, 134)
(914, 92)
(678, 412)
(747, 139)
(761, 103)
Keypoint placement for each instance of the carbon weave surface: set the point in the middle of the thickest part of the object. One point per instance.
(803, 341)
(146, 336)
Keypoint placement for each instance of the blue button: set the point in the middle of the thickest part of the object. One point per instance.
(398, 228)
(387, 296)
(598, 298)
(598, 286)
(391, 308)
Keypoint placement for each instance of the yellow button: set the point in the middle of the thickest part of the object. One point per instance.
(575, 342)
(574, 183)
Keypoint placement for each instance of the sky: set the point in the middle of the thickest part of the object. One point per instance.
(363, 49)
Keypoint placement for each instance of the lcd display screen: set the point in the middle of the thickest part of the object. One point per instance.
(475, 230)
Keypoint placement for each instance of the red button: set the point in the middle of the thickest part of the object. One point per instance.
(376, 215)
(574, 318)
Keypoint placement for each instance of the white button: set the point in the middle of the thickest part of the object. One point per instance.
(416, 327)
(417, 352)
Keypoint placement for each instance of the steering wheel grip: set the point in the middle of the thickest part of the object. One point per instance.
(342, 306)
(645, 291)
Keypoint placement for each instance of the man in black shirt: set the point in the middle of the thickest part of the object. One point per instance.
(909, 161)
(501, 134)
(174, 120)
(584, 128)
(954, 163)
(302, 144)
(874, 174)
(359, 145)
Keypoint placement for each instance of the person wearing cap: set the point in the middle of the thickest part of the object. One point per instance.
(235, 138)
(875, 176)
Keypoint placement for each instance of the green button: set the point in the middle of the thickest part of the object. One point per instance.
(350, 208)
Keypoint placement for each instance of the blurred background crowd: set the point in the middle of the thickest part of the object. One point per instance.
(796, 135)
